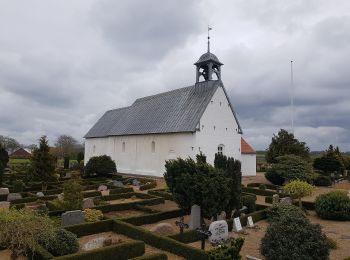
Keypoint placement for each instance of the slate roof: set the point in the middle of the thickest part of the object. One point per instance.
(175, 111)
(246, 148)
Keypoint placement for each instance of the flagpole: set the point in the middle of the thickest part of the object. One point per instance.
(292, 96)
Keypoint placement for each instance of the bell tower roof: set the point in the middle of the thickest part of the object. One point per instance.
(208, 57)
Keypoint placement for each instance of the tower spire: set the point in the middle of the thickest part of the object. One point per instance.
(209, 28)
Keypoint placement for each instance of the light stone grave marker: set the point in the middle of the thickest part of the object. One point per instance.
(136, 182)
(5, 205)
(195, 221)
(40, 194)
(88, 203)
(250, 222)
(286, 201)
(94, 244)
(4, 191)
(72, 217)
(60, 196)
(219, 231)
(102, 188)
(222, 216)
(249, 257)
(14, 196)
(237, 226)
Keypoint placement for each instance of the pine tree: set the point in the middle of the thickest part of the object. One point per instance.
(43, 162)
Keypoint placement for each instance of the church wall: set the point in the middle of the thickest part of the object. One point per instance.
(248, 164)
(218, 127)
(138, 156)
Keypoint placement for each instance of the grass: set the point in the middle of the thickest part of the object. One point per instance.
(18, 161)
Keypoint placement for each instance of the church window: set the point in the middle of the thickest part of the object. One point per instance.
(153, 147)
(202, 127)
(221, 149)
(94, 149)
(214, 127)
(220, 103)
(226, 128)
(123, 147)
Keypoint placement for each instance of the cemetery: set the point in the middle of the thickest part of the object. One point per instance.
(198, 211)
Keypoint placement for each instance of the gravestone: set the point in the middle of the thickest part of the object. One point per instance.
(72, 217)
(250, 222)
(164, 229)
(60, 196)
(286, 201)
(102, 188)
(14, 196)
(105, 192)
(237, 226)
(219, 231)
(195, 220)
(118, 184)
(275, 199)
(88, 203)
(243, 210)
(136, 182)
(222, 216)
(4, 191)
(40, 194)
(95, 243)
(5, 205)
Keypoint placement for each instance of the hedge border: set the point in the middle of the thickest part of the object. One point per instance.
(161, 193)
(153, 218)
(163, 243)
(154, 256)
(263, 192)
(122, 251)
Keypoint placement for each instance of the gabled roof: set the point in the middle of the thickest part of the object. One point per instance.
(21, 152)
(246, 148)
(175, 111)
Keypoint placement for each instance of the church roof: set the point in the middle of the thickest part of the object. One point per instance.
(208, 56)
(246, 148)
(174, 111)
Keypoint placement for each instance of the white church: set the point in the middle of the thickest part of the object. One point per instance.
(177, 123)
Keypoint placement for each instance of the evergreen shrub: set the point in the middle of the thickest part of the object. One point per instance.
(100, 166)
(322, 180)
(62, 243)
(228, 250)
(334, 205)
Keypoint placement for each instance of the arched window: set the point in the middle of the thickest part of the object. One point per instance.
(221, 149)
(94, 149)
(123, 147)
(153, 147)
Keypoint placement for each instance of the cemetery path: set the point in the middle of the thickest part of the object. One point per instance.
(6, 255)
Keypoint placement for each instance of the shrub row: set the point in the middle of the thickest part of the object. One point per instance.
(268, 186)
(256, 216)
(130, 205)
(151, 185)
(249, 200)
(121, 251)
(306, 204)
(86, 229)
(163, 243)
(188, 236)
(263, 192)
(33, 199)
(153, 218)
(161, 193)
(155, 256)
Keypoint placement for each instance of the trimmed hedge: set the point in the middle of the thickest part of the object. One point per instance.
(188, 236)
(249, 201)
(268, 186)
(33, 199)
(306, 204)
(155, 256)
(130, 205)
(163, 243)
(263, 192)
(86, 229)
(151, 185)
(153, 218)
(161, 193)
(121, 251)
(257, 216)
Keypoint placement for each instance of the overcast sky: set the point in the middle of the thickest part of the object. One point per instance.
(64, 63)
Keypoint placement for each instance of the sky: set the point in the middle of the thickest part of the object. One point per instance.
(64, 63)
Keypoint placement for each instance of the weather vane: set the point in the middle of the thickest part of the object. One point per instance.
(209, 28)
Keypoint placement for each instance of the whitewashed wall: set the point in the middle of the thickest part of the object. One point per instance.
(248, 164)
(218, 126)
(138, 157)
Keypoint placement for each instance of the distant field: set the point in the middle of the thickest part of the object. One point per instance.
(18, 161)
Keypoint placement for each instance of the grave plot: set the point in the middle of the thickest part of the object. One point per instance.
(6, 255)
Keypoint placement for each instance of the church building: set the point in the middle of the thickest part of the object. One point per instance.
(177, 123)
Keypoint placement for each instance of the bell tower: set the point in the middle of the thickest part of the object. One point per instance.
(208, 65)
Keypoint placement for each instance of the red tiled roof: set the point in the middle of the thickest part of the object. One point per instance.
(246, 148)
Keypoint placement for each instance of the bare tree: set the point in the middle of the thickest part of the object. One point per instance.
(66, 144)
(10, 144)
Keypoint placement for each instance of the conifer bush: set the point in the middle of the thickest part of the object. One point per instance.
(63, 242)
(100, 166)
(228, 250)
